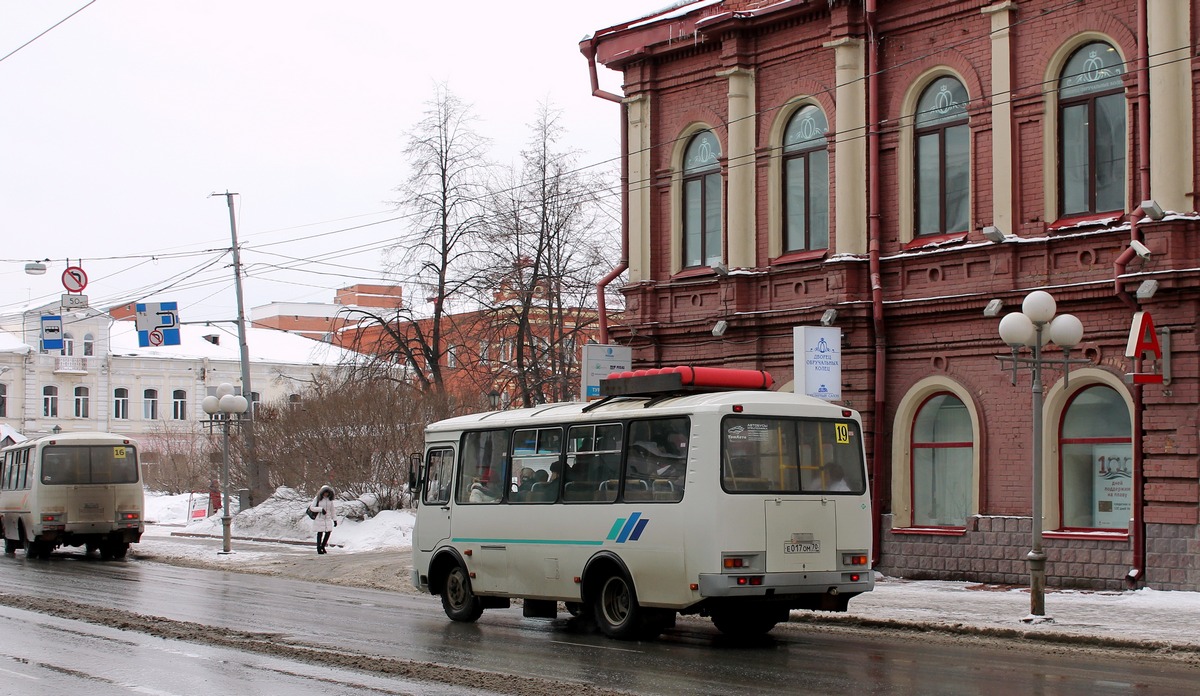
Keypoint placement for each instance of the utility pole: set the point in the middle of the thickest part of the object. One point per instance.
(252, 467)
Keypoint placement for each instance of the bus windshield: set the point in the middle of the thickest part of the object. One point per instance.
(75, 465)
(791, 455)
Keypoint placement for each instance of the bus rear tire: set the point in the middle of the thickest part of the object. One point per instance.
(748, 622)
(618, 613)
(458, 601)
(37, 549)
(10, 546)
(119, 550)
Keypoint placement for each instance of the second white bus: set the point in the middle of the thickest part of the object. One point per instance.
(76, 489)
(666, 499)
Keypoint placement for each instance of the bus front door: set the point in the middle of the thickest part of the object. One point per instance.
(433, 515)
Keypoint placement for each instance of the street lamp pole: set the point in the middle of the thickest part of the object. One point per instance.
(227, 404)
(1034, 327)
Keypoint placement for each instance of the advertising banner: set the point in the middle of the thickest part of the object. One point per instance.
(1112, 486)
(818, 359)
(598, 362)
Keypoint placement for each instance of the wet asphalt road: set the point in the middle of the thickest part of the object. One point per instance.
(693, 658)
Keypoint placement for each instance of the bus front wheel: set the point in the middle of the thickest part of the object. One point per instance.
(618, 613)
(458, 601)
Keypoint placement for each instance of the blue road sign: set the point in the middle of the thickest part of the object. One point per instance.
(157, 324)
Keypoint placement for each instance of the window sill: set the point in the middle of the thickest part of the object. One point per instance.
(932, 531)
(800, 256)
(1085, 220)
(1099, 534)
(694, 272)
(935, 240)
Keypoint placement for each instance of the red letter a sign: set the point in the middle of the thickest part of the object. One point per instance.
(1143, 340)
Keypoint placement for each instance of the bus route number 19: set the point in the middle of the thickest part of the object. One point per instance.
(841, 433)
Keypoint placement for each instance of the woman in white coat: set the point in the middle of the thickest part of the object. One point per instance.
(325, 519)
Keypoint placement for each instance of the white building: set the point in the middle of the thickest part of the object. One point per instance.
(102, 380)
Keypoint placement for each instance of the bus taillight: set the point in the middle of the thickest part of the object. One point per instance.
(752, 580)
(53, 521)
(129, 516)
(854, 559)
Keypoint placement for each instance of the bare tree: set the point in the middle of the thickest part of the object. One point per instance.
(442, 198)
(353, 433)
(177, 458)
(547, 238)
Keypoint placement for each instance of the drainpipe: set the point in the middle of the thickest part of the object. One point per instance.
(873, 251)
(601, 307)
(1143, 101)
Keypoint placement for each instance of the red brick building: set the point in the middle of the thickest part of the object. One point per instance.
(913, 165)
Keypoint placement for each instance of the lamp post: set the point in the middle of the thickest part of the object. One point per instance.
(1033, 327)
(494, 399)
(225, 403)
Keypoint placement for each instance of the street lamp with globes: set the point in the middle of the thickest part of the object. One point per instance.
(1034, 327)
(227, 404)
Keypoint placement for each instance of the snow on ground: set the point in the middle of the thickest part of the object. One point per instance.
(374, 553)
(281, 517)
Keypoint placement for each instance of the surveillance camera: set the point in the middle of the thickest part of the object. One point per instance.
(1141, 249)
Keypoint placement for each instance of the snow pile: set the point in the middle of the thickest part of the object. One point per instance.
(281, 517)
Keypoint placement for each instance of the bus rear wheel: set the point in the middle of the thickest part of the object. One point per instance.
(458, 601)
(37, 549)
(748, 622)
(618, 613)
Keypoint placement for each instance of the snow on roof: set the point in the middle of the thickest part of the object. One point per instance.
(264, 345)
(11, 343)
(10, 433)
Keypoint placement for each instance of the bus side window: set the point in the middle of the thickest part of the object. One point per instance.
(439, 471)
(483, 470)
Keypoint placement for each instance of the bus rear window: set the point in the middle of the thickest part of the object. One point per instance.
(791, 455)
(76, 465)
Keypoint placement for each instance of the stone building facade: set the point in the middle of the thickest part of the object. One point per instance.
(920, 167)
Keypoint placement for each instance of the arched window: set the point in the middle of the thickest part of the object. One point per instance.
(121, 403)
(942, 463)
(150, 404)
(81, 402)
(89, 345)
(943, 158)
(702, 201)
(50, 402)
(179, 404)
(806, 181)
(1091, 131)
(1097, 460)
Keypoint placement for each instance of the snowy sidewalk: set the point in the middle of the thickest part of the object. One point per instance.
(1143, 617)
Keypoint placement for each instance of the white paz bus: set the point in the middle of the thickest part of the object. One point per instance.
(682, 491)
(76, 489)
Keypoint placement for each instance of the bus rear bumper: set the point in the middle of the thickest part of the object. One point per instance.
(784, 585)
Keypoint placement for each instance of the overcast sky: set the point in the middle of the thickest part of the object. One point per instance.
(116, 126)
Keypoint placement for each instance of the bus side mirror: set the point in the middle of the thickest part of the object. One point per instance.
(414, 464)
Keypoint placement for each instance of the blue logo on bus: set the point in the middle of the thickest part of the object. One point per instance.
(628, 529)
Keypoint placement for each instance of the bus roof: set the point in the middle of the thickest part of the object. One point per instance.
(75, 437)
(624, 407)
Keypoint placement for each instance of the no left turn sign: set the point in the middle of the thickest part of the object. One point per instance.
(74, 279)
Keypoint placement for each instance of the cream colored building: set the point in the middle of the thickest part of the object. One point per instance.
(102, 380)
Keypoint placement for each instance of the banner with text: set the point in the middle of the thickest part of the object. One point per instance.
(818, 361)
(598, 362)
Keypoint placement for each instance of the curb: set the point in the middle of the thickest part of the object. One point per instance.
(290, 542)
(998, 632)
